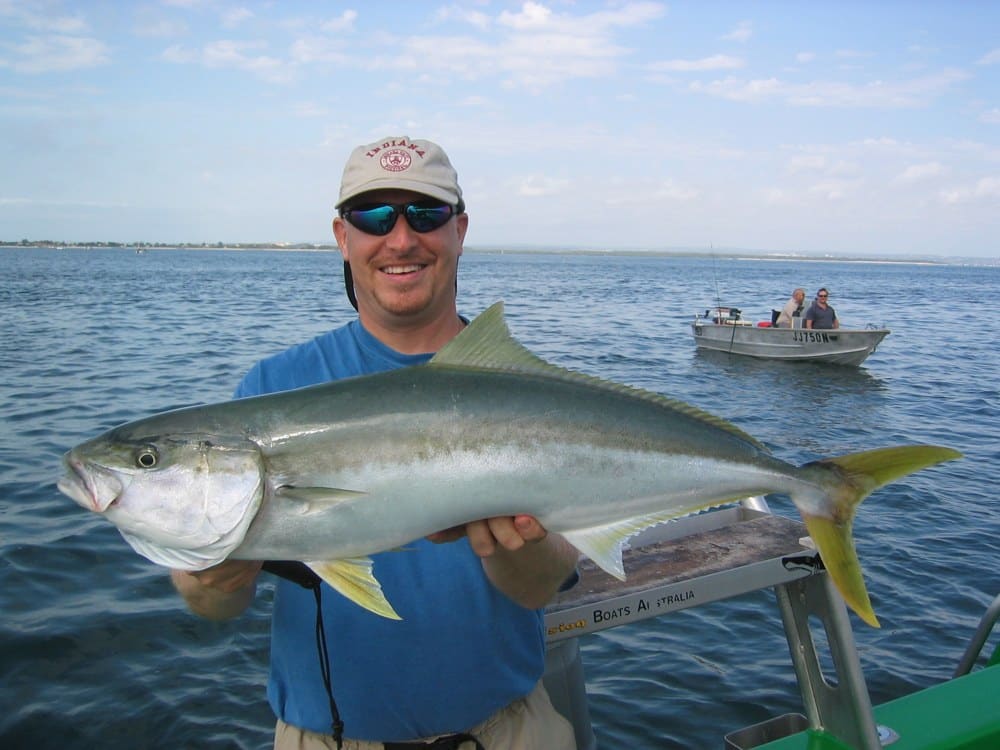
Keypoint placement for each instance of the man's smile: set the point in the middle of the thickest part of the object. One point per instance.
(402, 269)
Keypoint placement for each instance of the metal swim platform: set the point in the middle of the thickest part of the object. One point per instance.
(707, 558)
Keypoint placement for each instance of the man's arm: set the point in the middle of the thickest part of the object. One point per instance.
(220, 592)
(519, 556)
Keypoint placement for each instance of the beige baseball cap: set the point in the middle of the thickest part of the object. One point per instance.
(403, 163)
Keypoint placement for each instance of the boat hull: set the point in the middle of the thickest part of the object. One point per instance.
(838, 346)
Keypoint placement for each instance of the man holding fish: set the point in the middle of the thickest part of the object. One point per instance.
(368, 454)
(467, 655)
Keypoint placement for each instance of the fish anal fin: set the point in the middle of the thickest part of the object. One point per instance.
(316, 499)
(604, 544)
(353, 577)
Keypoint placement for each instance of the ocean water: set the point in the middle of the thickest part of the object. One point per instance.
(97, 651)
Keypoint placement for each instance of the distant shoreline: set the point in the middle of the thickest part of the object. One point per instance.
(683, 252)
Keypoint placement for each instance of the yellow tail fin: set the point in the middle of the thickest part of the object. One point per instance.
(859, 474)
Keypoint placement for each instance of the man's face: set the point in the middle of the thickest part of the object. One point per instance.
(404, 273)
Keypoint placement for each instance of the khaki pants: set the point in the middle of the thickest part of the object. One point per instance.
(530, 723)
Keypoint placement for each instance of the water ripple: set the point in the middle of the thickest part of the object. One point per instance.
(97, 650)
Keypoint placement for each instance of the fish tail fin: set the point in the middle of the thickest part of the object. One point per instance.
(856, 476)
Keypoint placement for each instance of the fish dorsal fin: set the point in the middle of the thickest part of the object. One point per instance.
(487, 343)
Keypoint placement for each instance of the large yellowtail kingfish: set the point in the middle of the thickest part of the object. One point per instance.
(333, 473)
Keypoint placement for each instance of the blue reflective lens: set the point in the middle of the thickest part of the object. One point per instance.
(379, 218)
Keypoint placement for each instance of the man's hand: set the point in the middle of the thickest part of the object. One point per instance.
(519, 556)
(220, 592)
(509, 532)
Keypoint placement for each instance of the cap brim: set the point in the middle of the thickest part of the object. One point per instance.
(432, 191)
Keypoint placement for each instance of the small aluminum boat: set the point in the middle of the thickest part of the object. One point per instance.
(723, 329)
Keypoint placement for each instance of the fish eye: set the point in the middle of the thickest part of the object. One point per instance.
(146, 457)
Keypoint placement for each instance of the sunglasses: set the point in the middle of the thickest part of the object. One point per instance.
(378, 219)
(821, 296)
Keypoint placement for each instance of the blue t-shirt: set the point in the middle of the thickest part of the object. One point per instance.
(462, 651)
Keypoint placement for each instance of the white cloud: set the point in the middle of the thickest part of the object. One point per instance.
(159, 28)
(714, 62)
(177, 53)
(919, 172)
(21, 14)
(532, 48)
(737, 89)
(833, 190)
(532, 16)
(309, 109)
(842, 168)
(535, 186)
(991, 116)
(669, 190)
(475, 18)
(535, 16)
(232, 17)
(851, 54)
(318, 50)
(742, 32)
(990, 58)
(916, 92)
(807, 163)
(805, 57)
(986, 188)
(343, 22)
(55, 53)
(774, 196)
(236, 55)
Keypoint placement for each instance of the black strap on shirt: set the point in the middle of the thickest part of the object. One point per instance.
(303, 575)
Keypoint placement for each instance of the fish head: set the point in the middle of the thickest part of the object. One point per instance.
(181, 500)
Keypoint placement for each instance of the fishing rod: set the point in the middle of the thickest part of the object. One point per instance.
(718, 300)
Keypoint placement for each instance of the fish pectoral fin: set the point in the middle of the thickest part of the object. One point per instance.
(604, 544)
(353, 578)
(315, 499)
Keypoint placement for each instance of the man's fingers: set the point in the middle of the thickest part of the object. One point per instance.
(509, 532)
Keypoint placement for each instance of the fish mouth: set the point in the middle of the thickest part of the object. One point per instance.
(79, 484)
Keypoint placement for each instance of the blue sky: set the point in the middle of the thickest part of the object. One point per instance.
(848, 128)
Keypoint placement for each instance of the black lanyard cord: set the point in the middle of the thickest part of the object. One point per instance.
(337, 724)
(299, 573)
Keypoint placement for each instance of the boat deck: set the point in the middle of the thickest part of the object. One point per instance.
(960, 714)
(724, 553)
(683, 564)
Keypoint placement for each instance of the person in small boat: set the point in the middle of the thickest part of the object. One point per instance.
(792, 309)
(820, 315)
